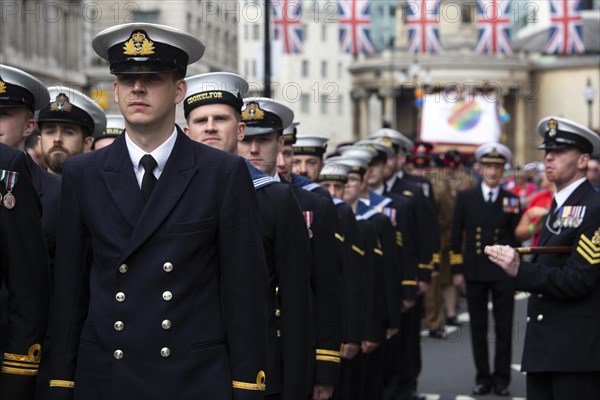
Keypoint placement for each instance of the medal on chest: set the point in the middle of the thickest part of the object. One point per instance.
(308, 219)
(9, 178)
(569, 217)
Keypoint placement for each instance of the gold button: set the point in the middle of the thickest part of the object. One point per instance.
(119, 325)
(478, 251)
(528, 319)
(118, 354)
(276, 290)
(540, 296)
(166, 324)
(540, 317)
(278, 333)
(277, 312)
(478, 229)
(168, 267)
(478, 236)
(478, 244)
(120, 297)
(165, 352)
(167, 295)
(123, 268)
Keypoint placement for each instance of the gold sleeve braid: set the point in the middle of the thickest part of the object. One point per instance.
(20, 364)
(260, 384)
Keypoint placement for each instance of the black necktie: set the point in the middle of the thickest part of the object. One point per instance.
(149, 180)
(490, 196)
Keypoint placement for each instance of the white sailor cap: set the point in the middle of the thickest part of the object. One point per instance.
(334, 171)
(20, 89)
(263, 115)
(384, 150)
(493, 153)
(310, 146)
(358, 152)
(115, 126)
(398, 139)
(355, 162)
(289, 134)
(143, 48)
(563, 133)
(70, 105)
(215, 88)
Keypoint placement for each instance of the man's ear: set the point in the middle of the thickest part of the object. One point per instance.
(241, 131)
(87, 144)
(180, 90)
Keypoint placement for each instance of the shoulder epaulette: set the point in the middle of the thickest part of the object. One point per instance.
(407, 193)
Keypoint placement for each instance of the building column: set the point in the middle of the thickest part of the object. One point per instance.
(389, 106)
(521, 148)
(362, 96)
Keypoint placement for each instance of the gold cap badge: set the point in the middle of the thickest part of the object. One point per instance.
(138, 45)
(387, 142)
(61, 103)
(552, 127)
(2, 87)
(253, 112)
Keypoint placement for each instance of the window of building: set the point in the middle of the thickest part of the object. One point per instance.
(340, 104)
(254, 69)
(246, 68)
(255, 32)
(323, 103)
(339, 70)
(323, 69)
(305, 32)
(305, 69)
(148, 16)
(246, 32)
(305, 103)
(468, 12)
(323, 32)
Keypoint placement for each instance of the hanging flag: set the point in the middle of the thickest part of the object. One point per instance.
(493, 19)
(566, 26)
(422, 20)
(288, 27)
(355, 26)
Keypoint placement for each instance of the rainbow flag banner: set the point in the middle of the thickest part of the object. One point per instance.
(473, 121)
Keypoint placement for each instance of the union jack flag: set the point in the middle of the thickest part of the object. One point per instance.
(288, 28)
(355, 26)
(493, 18)
(565, 31)
(422, 19)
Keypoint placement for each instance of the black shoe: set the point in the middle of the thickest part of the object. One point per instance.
(437, 333)
(482, 388)
(453, 322)
(501, 391)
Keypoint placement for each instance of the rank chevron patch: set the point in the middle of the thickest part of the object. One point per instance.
(589, 249)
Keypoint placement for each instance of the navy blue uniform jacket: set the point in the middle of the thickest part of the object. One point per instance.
(563, 328)
(174, 303)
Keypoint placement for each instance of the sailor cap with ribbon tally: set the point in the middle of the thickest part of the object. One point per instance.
(70, 105)
(360, 152)
(334, 171)
(493, 153)
(263, 115)
(115, 126)
(142, 48)
(215, 88)
(310, 146)
(289, 134)
(561, 133)
(19, 89)
(398, 139)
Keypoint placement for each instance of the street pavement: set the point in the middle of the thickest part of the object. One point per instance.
(448, 366)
